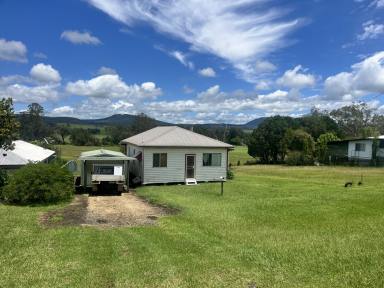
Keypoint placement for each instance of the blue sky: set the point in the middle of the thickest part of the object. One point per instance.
(191, 61)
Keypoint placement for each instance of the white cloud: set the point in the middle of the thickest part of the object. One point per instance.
(14, 51)
(62, 111)
(366, 77)
(227, 29)
(28, 94)
(45, 73)
(106, 71)
(263, 66)
(77, 37)
(121, 104)
(379, 3)
(112, 86)
(371, 31)
(294, 79)
(207, 72)
(182, 58)
(40, 55)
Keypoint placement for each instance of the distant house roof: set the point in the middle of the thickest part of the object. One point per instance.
(173, 136)
(103, 154)
(24, 153)
(381, 137)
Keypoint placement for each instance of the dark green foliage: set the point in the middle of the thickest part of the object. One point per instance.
(352, 119)
(266, 141)
(82, 137)
(33, 126)
(298, 158)
(322, 149)
(8, 124)
(300, 147)
(318, 123)
(230, 174)
(3, 178)
(117, 133)
(38, 183)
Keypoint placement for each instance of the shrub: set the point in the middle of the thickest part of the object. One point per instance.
(297, 158)
(230, 174)
(38, 183)
(3, 178)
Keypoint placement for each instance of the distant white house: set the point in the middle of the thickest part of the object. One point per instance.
(24, 153)
(171, 154)
(360, 150)
(363, 149)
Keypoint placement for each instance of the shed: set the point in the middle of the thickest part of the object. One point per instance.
(170, 154)
(102, 167)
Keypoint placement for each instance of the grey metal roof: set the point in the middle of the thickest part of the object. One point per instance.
(24, 153)
(104, 155)
(8, 158)
(173, 136)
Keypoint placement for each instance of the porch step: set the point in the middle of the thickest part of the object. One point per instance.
(190, 181)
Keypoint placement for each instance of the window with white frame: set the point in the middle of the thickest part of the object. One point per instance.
(212, 159)
(159, 160)
(360, 147)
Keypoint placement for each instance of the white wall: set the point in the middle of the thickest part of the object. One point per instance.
(363, 155)
(175, 170)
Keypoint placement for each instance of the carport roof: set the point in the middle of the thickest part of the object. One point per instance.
(104, 155)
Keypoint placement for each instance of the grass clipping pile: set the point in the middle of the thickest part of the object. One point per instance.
(106, 211)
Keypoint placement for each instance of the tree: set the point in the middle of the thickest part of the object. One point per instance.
(117, 133)
(318, 123)
(8, 123)
(82, 137)
(142, 123)
(63, 131)
(300, 147)
(322, 145)
(352, 119)
(266, 141)
(32, 124)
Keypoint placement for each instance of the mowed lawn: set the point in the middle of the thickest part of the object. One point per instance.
(275, 226)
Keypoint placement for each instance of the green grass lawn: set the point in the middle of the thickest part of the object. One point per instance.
(72, 152)
(275, 226)
(240, 153)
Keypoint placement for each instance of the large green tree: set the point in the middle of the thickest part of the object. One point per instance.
(32, 123)
(353, 119)
(266, 141)
(8, 123)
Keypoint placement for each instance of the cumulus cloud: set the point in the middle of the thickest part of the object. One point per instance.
(366, 77)
(27, 94)
(112, 86)
(207, 72)
(371, 31)
(295, 79)
(106, 71)
(77, 37)
(227, 29)
(62, 111)
(14, 51)
(45, 73)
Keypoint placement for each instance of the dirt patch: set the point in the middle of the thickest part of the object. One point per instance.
(106, 211)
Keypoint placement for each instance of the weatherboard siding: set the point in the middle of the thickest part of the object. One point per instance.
(175, 170)
(364, 155)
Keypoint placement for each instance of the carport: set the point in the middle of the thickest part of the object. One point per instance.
(104, 171)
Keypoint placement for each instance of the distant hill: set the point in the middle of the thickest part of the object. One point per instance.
(254, 123)
(117, 119)
(127, 119)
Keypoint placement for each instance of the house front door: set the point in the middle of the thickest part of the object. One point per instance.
(190, 163)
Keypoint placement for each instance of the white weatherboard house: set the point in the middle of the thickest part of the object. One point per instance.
(24, 153)
(171, 154)
(363, 149)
